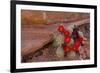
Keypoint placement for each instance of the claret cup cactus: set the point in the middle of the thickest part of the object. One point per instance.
(66, 41)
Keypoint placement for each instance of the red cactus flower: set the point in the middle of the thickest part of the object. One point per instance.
(66, 33)
(67, 48)
(67, 39)
(61, 28)
(77, 44)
